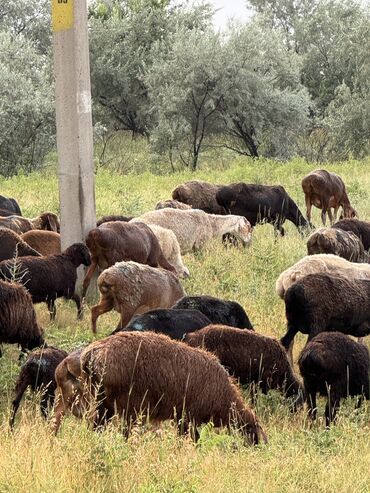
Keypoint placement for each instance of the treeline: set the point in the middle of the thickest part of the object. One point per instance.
(293, 80)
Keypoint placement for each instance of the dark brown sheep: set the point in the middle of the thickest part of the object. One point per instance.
(160, 379)
(173, 204)
(12, 245)
(9, 205)
(18, 324)
(119, 241)
(345, 244)
(49, 278)
(132, 288)
(335, 366)
(360, 228)
(326, 191)
(38, 372)
(250, 357)
(114, 217)
(47, 220)
(45, 242)
(199, 195)
(325, 302)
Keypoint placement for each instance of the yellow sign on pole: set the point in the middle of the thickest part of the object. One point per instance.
(62, 15)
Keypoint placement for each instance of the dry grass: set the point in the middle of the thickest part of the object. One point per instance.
(296, 458)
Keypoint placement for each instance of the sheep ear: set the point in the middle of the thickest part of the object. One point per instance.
(52, 224)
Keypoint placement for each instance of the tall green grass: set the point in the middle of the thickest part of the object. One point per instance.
(297, 457)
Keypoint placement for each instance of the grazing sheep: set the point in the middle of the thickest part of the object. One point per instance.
(12, 245)
(199, 195)
(223, 312)
(359, 228)
(18, 324)
(335, 366)
(109, 219)
(326, 190)
(38, 372)
(45, 242)
(261, 203)
(320, 263)
(170, 248)
(250, 357)
(10, 205)
(131, 288)
(19, 224)
(173, 323)
(173, 204)
(49, 278)
(160, 379)
(117, 241)
(342, 243)
(321, 302)
(194, 227)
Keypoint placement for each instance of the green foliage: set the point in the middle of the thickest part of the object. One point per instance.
(26, 105)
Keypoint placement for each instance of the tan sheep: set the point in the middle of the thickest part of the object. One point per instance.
(132, 288)
(47, 220)
(194, 227)
(343, 243)
(321, 263)
(170, 248)
(174, 204)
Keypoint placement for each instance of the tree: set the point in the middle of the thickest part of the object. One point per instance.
(265, 105)
(26, 105)
(186, 88)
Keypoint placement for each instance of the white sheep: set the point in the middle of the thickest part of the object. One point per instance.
(170, 248)
(321, 263)
(194, 227)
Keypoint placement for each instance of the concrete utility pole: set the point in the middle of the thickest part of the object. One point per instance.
(73, 119)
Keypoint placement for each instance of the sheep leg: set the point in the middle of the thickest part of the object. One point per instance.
(288, 342)
(77, 300)
(124, 319)
(59, 412)
(52, 308)
(336, 213)
(311, 403)
(308, 208)
(331, 218)
(105, 305)
(331, 407)
(16, 402)
(46, 402)
(88, 276)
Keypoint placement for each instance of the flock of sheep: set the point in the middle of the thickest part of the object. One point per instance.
(174, 356)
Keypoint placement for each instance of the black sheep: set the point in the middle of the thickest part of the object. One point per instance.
(219, 311)
(174, 323)
(38, 372)
(320, 302)
(335, 366)
(9, 205)
(49, 278)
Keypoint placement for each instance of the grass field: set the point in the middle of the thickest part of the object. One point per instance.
(297, 457)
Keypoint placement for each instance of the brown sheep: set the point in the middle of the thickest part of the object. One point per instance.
(12, 245)
(173, 204)
(345, 244)
(38, 372)
(19, 224)
(152, 376)
(18, 324)
(119, 241)
(250, 357)
(199, 195)
(194, 227)
(114, 217)
(45, 242)
(131, 288)
(326, 190)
